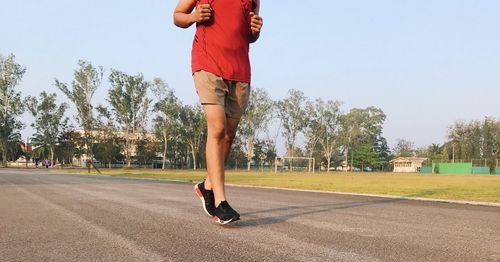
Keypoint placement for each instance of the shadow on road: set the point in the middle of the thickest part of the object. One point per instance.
(297, 211)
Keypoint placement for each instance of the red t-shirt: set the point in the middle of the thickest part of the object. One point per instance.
(221, 45)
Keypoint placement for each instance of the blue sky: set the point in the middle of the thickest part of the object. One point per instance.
(425, 63)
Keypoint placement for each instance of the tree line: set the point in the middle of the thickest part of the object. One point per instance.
(144, 122)
(476, 141)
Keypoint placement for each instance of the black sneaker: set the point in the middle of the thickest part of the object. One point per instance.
(224, 214)
(207, 198)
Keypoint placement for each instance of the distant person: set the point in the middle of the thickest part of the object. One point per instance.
(47, 163)
(221, 70)
(37, 162)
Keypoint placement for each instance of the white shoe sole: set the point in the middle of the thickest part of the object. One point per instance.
(225, 222)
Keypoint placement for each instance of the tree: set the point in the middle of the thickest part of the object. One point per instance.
(237, 154)
(109, 145)
(366, 155)
(465, 140)
(361, 126)
(312, 131)
(436, 152)
(50, 121)
(128, 99)
(293, 118)
(167, 108)
(255, 120)
(70, 145)
(146, 151)
(87, 79)
(351, 130)
(265, 152)
(404, 148)
(193, 128)
(490, 143)
(384, 152)
(324, 128)
(475, 140)
(11, 74)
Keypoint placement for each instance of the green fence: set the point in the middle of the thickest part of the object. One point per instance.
(426, 170)
(481, 170)
(452, 168)
(457, 168)
(485, 171)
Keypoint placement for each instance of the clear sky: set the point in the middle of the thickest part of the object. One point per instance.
(425, 63)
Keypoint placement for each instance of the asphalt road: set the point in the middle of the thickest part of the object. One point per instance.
(54, 217)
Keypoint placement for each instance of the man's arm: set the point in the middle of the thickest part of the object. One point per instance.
(184, 16)
(256, 22)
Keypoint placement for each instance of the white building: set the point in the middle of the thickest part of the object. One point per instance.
(407, 164)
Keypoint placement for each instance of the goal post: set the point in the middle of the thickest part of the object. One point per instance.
(298, 164)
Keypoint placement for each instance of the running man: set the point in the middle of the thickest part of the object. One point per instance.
(221, 70)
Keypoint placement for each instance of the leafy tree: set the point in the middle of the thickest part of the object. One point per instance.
(490, 143)
(146, 151)
(312, 131)
(324, 128)
(475, 140)
(168, 109)
(382, 148)
(404, 148)
(193, 128)
(265, 152)
(465, 140)
(70, 144)
(351, 131)
(50, 121)
(293, 118)
(359, 127)
(128, 99)
(11, 74)
(237, 155)
(87, 79)
(433, 153)
(109, 145)
(367, 155)
(255, 120)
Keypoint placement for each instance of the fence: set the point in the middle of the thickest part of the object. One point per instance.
(474, 166)
(452, 168)
(20, 164)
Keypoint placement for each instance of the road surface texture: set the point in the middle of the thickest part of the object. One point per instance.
(54, 217)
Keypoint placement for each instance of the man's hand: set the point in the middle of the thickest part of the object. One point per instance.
(256, 23)
(203, 13)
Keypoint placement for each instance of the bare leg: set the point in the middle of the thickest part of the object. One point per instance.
(230, 133)
(216, 125)
(231, 127)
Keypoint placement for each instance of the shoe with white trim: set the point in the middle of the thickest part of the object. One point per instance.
(225, 214)
(207, 198)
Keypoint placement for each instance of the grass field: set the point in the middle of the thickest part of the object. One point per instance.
(485, 188)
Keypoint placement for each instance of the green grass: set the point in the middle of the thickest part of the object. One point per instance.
(484, 188)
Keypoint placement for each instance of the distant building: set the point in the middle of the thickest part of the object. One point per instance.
(27, 148)
(82, 159)
(407, 164)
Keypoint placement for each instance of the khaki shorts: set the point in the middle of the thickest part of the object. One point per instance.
(214, 90)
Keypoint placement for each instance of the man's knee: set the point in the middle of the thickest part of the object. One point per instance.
(217, 131)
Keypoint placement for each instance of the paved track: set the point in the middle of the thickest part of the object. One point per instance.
(53, 217)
